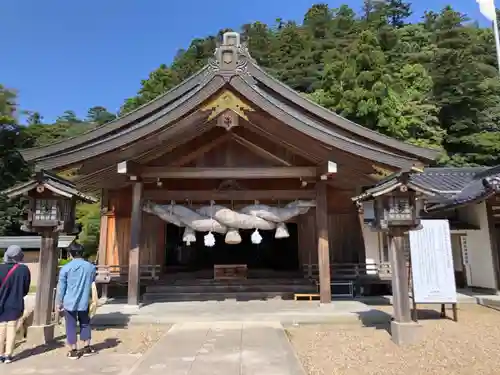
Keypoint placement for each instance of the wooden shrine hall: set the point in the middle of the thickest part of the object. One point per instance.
(232, 136)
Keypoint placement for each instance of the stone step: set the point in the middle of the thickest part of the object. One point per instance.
(269, 281)
(234, 288)
(238, 296)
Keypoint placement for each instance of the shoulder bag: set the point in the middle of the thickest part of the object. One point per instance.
(9, 274)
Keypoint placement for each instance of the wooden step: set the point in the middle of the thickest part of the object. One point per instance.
(246, 296)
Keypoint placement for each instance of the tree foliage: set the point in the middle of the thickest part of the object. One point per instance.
(433, 83)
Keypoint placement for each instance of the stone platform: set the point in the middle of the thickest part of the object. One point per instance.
(285, 312)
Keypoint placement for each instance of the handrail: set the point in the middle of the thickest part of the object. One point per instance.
(352, 270)
(110, 273)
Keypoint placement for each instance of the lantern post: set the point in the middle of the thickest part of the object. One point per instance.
(394, 207)
(51, 211)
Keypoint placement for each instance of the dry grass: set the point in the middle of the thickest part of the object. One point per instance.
(127, 340)
(469, 347)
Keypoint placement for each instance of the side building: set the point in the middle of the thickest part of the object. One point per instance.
(469, 198)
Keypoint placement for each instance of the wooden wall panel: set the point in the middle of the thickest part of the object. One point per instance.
(160, 242)
(346, 238)
(111, 251)
(339, 201)
(152, 242)
(306, 225)
(147, 245)
(120, 201)
(118, 242)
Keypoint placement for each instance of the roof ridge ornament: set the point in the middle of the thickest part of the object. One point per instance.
(231, 57)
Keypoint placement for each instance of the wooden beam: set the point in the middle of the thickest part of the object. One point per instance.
(234, 195)
(323, 245)
(135, 238)
(127, 167)
(200, 151)
(236, 173)
(304, 145)
(327, 169)
(260, 151)
(283, 141)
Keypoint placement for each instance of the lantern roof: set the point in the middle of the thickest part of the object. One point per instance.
(387, 185)
(51, 182)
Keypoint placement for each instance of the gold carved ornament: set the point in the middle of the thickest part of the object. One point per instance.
(380, 173)
(69, 174)
(225, 101)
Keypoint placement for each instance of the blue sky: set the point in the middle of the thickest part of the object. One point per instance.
(74, 54)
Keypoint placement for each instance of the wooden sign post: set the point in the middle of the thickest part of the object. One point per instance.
(431, 267)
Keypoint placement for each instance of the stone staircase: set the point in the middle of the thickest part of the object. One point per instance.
(177, 290)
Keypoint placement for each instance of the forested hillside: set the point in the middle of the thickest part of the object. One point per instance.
(434, 83)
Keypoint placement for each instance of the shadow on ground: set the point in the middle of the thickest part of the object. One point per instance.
(60, 341)
(114, 319)
(382, 320)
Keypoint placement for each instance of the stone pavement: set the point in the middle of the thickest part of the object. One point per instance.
(46, 364)
(223, 348)
(231, 348)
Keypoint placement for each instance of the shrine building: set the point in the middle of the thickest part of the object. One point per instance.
(230, 174)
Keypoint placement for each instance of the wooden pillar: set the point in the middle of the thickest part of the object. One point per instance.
(323, 247)
(135, 237)
(400, 292)
(103, 238)
(44, 300)
(103, 231)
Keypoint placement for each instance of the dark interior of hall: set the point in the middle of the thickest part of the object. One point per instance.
(271, 253)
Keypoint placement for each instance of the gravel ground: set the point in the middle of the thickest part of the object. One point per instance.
(469, 347)
(128, 340)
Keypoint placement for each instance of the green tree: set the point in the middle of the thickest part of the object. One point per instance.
(99, 115)
(34, 118)
(12, 167)
(89, 216)
(68, 117)
(466, 90)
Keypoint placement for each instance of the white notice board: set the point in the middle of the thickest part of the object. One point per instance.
(432, 263)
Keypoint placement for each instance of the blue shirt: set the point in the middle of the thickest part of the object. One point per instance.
(75, 285)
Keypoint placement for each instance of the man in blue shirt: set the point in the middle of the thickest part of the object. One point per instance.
(73, 296)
